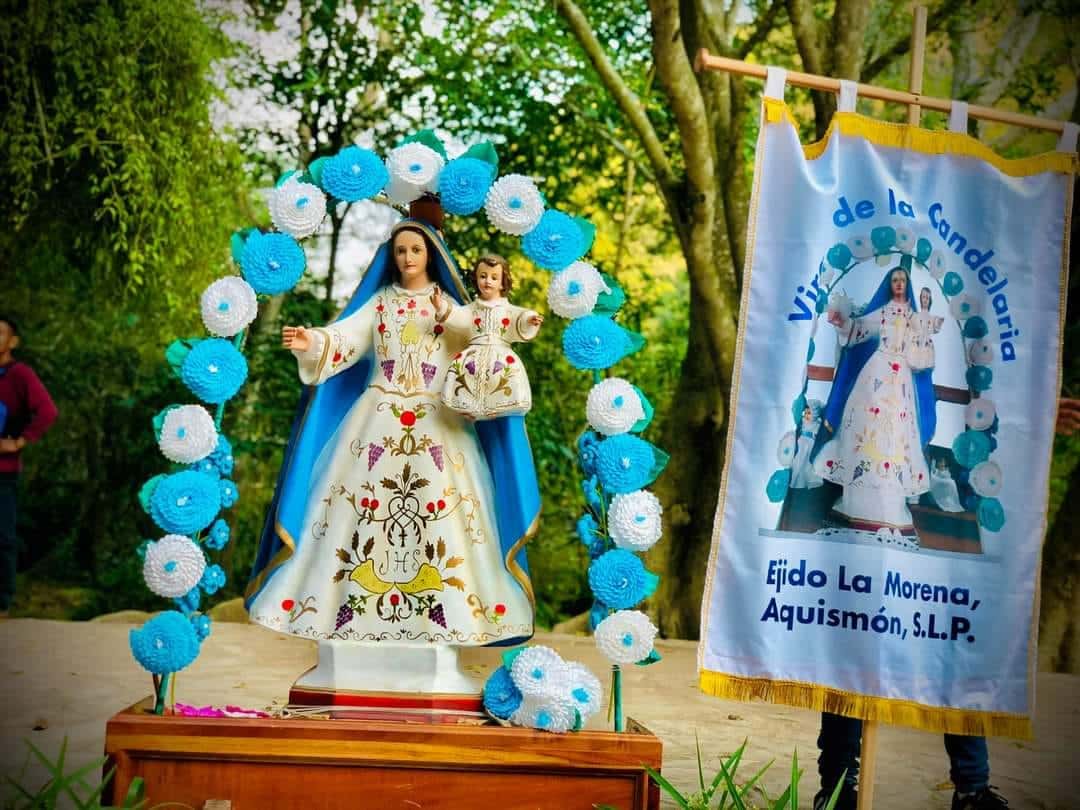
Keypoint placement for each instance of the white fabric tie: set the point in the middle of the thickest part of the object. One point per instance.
(958, 117)
(1067, 141)
(849, 93)
(775, 79)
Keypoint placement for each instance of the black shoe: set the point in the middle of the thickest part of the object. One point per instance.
(847, 800)
(985, 799)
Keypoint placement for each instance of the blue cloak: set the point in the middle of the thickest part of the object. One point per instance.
(503, 441)
(852, 360)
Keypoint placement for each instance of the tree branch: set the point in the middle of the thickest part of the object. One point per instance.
(934, 22)
(807, 35)
(628, 102)
(761, 30)
(619, 146)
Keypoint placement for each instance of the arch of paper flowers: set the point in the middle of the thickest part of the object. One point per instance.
(185, 503)
(971, 448)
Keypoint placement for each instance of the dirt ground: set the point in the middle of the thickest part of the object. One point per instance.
(65, 679)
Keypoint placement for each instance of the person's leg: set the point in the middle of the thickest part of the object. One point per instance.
(969, 762)
(839, 743)
(9, 546)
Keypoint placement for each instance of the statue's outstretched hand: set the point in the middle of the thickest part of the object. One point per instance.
(835, 318)
(295, 337)
(436, 299)
(536, 319)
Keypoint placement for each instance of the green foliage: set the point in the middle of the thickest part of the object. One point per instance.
(73, 789)
(723, 791)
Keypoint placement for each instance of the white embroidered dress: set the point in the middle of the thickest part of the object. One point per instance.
(876, 455)
(487, 379)
(399, 540)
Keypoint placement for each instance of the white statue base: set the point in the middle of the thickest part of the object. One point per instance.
(388, 677)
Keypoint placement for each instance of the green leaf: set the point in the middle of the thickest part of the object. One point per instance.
(146, 492)
(285, 178)
(485, 152)
(177, 351)
(795, 775)
(643, 423)
(588, 230)
(754, 779)
(236, 245)
(720, 773)
(668, 788)
(700, 770)
(509, 656)
(835, 797)
(651, 658)
(428, 138)
(315, 170)
(577, 721)
(159, 420)
(637, 341)
(609, 303)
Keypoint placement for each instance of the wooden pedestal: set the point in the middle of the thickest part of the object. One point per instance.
(314, 763)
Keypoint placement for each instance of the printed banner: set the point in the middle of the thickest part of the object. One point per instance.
(877, 542)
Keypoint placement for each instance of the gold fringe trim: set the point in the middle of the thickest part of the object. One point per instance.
(930, 142)
(867, 707)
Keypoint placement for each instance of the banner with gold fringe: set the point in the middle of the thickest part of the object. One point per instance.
(878, 534)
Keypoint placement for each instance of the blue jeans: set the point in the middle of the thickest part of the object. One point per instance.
(841, 738)
(9, 546)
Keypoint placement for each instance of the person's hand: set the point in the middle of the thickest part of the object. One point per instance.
(1068, 418)
(436, 299)
(536, 319)
(10, 446)
(835, 318)
(295, 337)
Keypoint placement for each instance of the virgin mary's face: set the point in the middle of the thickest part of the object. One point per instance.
(899, 284)
(411, 259)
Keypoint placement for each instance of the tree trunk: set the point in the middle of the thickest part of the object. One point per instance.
(1059, 636)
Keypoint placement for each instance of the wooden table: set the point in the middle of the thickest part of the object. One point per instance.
(310, 764)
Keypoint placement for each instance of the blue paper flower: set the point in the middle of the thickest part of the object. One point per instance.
(501, 696)
(587, 444)
(214, 370)
(776, 489)
(354, 174)
(212, 579)
(597, 342)
(464, 184)
(185, 502)
(839, 255)
(952, 284)
(619, 580)
(229, 493)
(222, 456)
(884, 238)
(201, 623)
(206, 467)
(625, 463)
(991, 515)
(587, 529)
(971, 447)
(979, 378)
(590, 488)
(189, 602)
(218, 537)
(556, 242)
(975, 328)
(272, 263)
(166, 643)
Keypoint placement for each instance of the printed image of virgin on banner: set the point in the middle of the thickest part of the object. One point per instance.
(878, 533)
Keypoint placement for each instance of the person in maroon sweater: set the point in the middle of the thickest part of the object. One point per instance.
(26, 412)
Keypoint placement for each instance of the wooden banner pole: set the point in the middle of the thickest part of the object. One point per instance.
(915, 73)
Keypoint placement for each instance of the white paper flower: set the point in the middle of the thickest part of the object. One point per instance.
(826, 277)
(785, 450)
(538, 671)
(173, 565)
(586, 694)
(414, 169)
(626, 636)
(572, 292)
(861, 247)
(980, 413)
(228, 306)
(905, 240)
(937, 265)
(546, 712)
(965, 306)
(839, 302)
(514, 204)
(187, 434)
(986, 479)
(613, 407)
(981, 352)
(634, 520)
(296, 208)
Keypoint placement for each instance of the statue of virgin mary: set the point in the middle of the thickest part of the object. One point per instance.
(880, 414)
(395, 524)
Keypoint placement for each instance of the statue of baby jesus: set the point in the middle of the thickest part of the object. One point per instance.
(486, 379)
